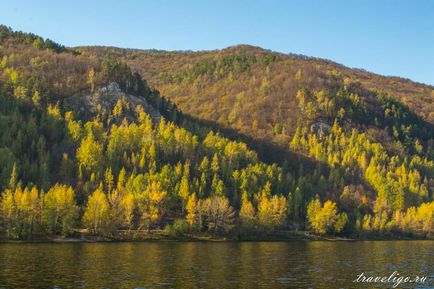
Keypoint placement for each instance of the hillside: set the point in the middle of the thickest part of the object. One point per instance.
(256, 93)
(286, 72)
(93, 138)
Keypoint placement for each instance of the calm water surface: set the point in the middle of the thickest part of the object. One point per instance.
(212, 265)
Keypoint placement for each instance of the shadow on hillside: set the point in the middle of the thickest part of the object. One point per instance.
(268, 151)
(297, 164)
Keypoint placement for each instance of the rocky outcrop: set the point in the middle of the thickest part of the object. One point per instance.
(104, 99)
(321, 128)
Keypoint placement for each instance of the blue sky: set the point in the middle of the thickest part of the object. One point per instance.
(389, 37)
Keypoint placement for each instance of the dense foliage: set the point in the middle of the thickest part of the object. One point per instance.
(350, 161)
(262, 77)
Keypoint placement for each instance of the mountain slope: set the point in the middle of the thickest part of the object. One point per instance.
(266, 95)
(287, 72)
(83, 131)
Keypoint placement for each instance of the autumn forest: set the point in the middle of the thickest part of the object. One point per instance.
(239, 143)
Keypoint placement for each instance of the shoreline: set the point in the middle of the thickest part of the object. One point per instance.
(148, 237)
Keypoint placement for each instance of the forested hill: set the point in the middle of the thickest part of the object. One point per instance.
(249, 65)
(93, 138)
(266, 95)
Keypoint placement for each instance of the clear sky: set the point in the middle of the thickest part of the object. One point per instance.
(389, 37)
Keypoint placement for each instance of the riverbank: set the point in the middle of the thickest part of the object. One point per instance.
(160, 235)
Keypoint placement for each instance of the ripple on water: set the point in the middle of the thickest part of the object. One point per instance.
(205, 265)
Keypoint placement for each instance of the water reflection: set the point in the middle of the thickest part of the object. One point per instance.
(210, 265)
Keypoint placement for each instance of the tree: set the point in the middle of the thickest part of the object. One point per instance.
(90, 154)
(425, 216)
(118, 109)
(247, 213)
(152, 204)
(217, 186)
(109, 180)
(116, 208)
(193, 214)
(96, 215)
(29, 206)
(215, 167)
(91, 79)
(340, 222)
(75, 128)
(20, 210)
(121, 179)
(36, 98)
(9, 214)
(298, 202)
(271, 211)
(183, 192)
(59, 211)
(219, 214)
(366, 223)
(325, 219)
(14, 177)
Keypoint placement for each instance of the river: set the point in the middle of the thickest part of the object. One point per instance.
(296, 264)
